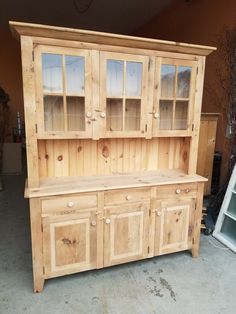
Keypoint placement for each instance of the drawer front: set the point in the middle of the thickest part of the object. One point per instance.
(126, 196)
(175, 190)
(68, 204)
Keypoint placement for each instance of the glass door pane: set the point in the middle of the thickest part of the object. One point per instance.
(115, 78)
(114, 114)
(174, 96)
(74, 74)
(75, 90)
(52, 73)
(132, 114)
(133, 79)
(53, 113)
(183, 81)
(75, 113)
(167, 80)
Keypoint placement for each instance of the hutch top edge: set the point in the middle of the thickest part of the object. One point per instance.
(46, 31)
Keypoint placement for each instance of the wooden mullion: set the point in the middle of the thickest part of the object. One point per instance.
(175, 92)
(124, 95)
(64, 93)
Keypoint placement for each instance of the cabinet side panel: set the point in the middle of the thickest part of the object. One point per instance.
(111, 156)
(30, 110)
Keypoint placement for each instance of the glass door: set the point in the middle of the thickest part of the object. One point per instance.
(63, 79)
(175, 97)
(123, 96)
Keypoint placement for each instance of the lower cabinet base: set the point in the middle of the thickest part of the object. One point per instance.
(85, 231)
(39, 282)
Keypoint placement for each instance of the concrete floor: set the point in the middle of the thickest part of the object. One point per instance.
(169, 284)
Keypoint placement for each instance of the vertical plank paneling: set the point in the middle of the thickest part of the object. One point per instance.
(109, 156)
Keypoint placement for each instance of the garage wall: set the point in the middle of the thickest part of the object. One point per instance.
(10, 75)
(199, 22)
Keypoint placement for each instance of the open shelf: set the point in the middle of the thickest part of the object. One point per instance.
(66, 185)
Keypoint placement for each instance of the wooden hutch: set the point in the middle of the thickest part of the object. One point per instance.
(112, 126)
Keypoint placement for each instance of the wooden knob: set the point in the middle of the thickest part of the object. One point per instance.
(177, 191)
(93, 223)
(89, 114)
(102, 114)
(187, 190)
(107, 221)
(156, 115)
(128, 197)
(70, 204)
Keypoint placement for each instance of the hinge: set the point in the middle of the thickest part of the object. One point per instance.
(192, 126)
(148, 249)
(36, 128)
(197, 70)
(42, 227)
(150, 212)
(146, 128)
(44, 270)
(33, 55)
(149, 64)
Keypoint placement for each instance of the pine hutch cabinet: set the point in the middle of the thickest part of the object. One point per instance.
(112, 125)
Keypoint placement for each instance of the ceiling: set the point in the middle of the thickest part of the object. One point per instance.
(118, 16)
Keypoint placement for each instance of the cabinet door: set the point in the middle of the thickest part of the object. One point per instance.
(69, 243)
(174, 99)
(63, 87)
(174, 226)
(122, 110)
(126, 233)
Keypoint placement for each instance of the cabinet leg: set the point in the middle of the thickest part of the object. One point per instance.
(195, 251)
(38, 285)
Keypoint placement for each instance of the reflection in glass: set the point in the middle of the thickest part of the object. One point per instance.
(53, 113)
(181, 115)
(114, 115)
(166, 114)
(167, 80)
(133, 78)
(183, 83)
(228, 230)
(52, 73)
(132, 114)
(74, 74)
(75, 113)
(232, 205)
(115, 77)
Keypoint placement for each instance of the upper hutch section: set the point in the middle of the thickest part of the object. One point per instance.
(100, 85)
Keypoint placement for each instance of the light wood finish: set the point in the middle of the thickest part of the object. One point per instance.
(206, 149)
(196, 117)
(37, 239)
(197, 221)
(172, 225)
(59, 158)
(111, 150)
(70, 243)
(126, 233)
(30, 111)
(40, 30)
(69, 185)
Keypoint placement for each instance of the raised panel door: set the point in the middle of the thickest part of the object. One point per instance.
(70, 243)
(174, 225)
(126, 233)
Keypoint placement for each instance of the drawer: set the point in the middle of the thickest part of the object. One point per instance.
(68, 204)
(126, 196)
(175, 190)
